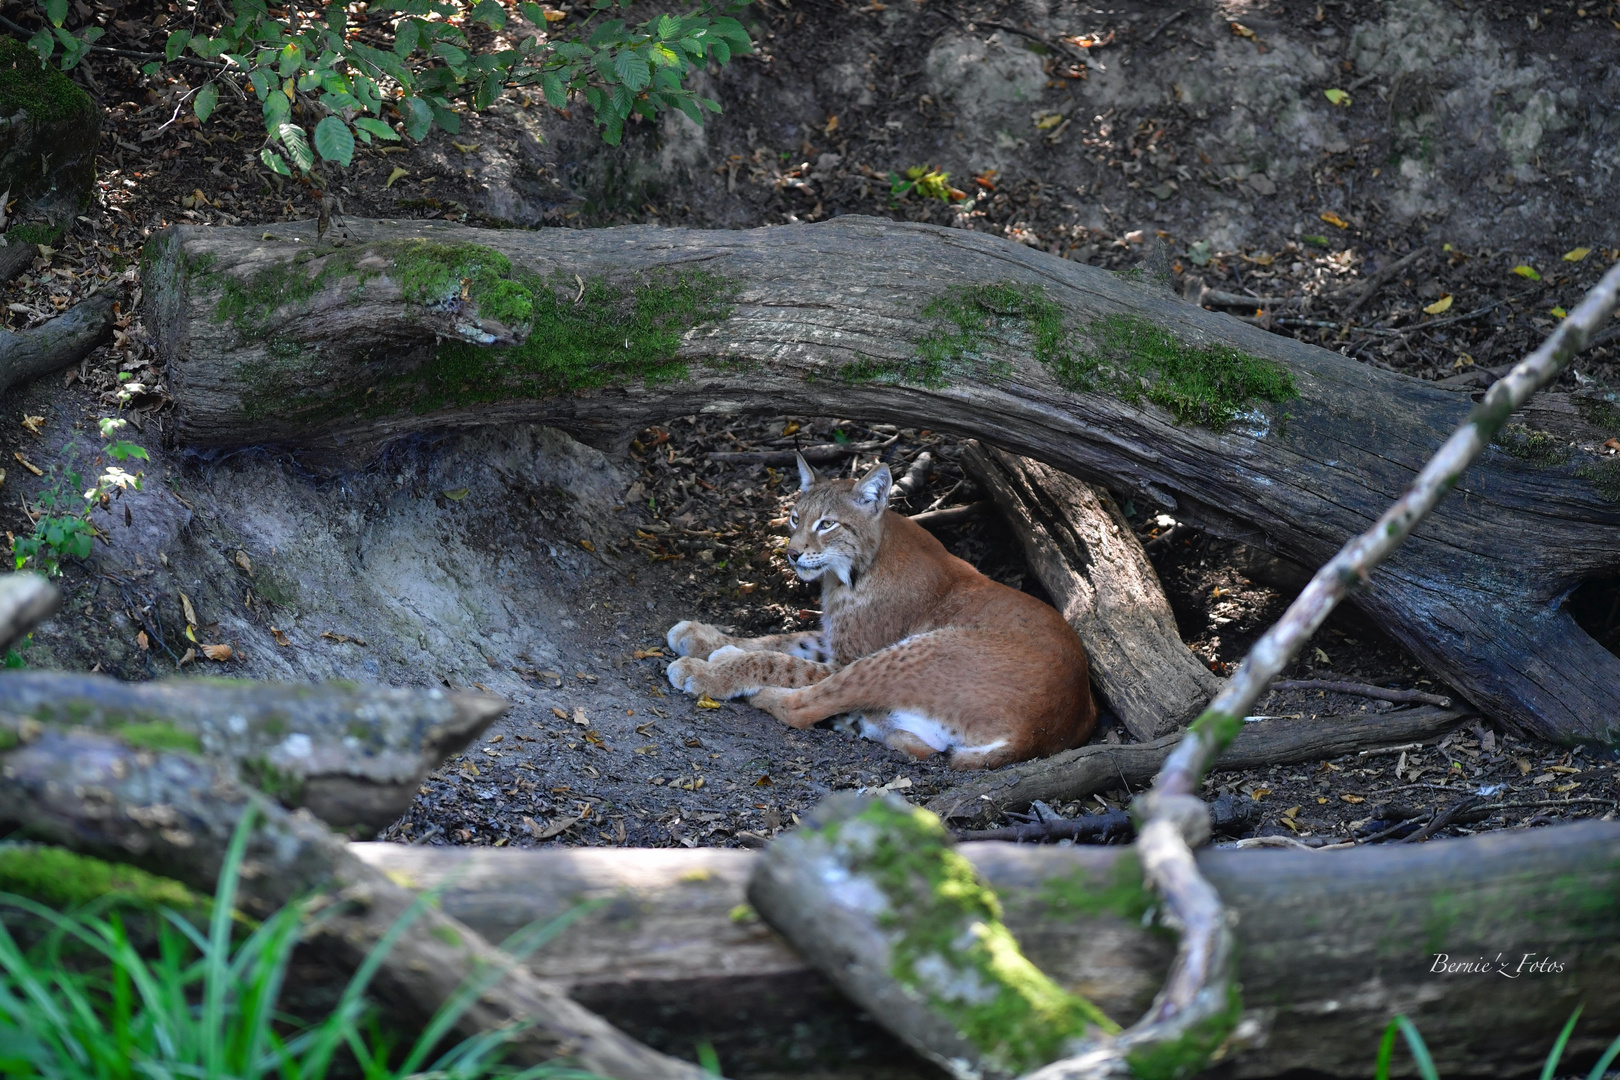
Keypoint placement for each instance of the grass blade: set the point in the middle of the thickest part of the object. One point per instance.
(1420, 1049)
(1557, 1051)
(1605, 1061)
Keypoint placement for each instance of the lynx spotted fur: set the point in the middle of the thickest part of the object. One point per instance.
(927, 654)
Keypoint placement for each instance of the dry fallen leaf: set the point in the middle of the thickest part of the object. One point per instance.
(1322, 656)
(587, 545)
(141, 640)
(395, 175)
(1334, 219)
(1243, 31)
(707, 702)
(558, 713)
(1352, 798)
(580, 718)
(244, 562)
(644, 654)
(1441, 305)
(648, 750)
(455, 494)
(465, 148)
(557, 827)
(221, 653)
(34, 424)
(189, 657)
(1046, 121)
(1576, 254)
(1260, 793)
(280, 636)
(830, 126)
(342, 639)
(1525, 271)
(191, 612)
(29, 465)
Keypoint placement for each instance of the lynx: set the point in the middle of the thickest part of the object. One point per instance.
(925, 653)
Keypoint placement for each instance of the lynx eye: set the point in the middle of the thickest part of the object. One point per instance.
(826, 525)
(793, 520)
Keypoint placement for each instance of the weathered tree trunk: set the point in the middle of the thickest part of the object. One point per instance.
(1331, 945)
(1083, 550)
(1086, 770)
(66, 339)
(288, 341)
(352, 755)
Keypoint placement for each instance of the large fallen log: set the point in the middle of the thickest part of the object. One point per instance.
(274, 337)
(174, 814)
(352, 755)
(1331, 945)
(1082, 549)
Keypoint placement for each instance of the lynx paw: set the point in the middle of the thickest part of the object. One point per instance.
(685, 672)
(689, 638)
(695, 676)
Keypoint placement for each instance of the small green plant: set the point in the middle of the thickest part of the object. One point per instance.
(325, 74)
(1425, 1062)
(205, 1005)
(926, 181)
(64, 528)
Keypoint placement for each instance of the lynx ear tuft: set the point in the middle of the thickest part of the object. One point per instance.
(807, 475)
(872, 492)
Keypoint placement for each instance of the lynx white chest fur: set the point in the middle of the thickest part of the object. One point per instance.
(927, 654)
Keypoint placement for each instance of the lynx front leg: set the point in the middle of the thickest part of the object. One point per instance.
(698, 639)
(732, 672)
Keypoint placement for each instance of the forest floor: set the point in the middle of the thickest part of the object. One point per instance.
(838, 102)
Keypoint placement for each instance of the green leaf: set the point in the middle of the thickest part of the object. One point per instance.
(405, 37)
(489, 88)
(276, 110)
(57, 12)
(418, 117)
(123, 450)
(552, 85)
(533, 13)
(1525, 271)
(151, 67)
(377, 128)
(334, 141)
(260, 78)
(490, 13)
(453, 56)
(297, 144)
(292, 58)
(613, 129)
(720, 51)
(446, 118)
(274, 161)
(336, 19)
(668, 27)
(631, 68)
(208, 48)
(203, 104)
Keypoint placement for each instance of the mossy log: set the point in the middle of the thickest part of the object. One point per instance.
(1081, 547)
(1331, 946)
(352, 755)
(174, 814)
(274, 337)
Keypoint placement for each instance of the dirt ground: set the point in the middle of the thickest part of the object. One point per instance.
(1484, 134)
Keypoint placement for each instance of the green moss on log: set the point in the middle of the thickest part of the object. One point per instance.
(65, 880)
(1123, 892)
(523, 335)
(39, 89)
(284, 787)
(1541, 448)
(157, 735)
(1604, 475)
(1193, 1052)
(949, 945)
(1126, 356)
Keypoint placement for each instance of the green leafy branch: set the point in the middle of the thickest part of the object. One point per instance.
(64, 527)
(323, 82)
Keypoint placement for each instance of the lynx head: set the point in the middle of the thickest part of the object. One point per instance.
(837, 524)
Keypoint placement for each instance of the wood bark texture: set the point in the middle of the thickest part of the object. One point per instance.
(173, 814)
(1476, 594)
(52, 346)
(1088, 770)
(352, 755)
(1331, 945)
(1083, 550)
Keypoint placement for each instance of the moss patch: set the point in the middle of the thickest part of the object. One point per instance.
(65, 880)
(158, 735)
(1599, 412)
(1128, 356)
(562, 337)
(1190, 1054)
(35, 232)
(40, 90)
(1224, 727)
(949, 943)
(284, 787)
(1541, 448)
(1604, 475)
(1124, 893)
(1208, 385)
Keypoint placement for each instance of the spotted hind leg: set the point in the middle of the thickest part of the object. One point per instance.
(731, 672)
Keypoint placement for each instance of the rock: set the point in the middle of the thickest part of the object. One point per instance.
(49, 129)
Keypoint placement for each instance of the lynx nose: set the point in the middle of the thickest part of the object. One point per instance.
(793, 554)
